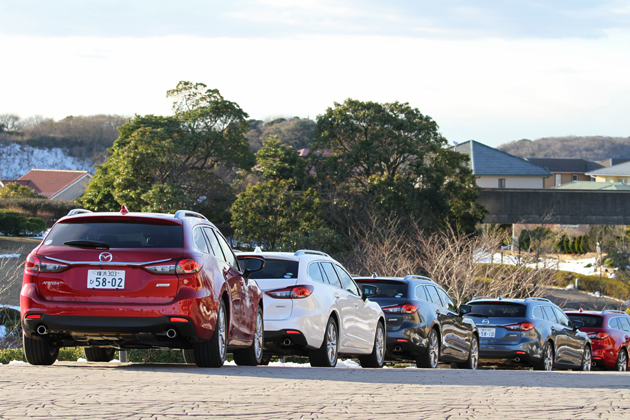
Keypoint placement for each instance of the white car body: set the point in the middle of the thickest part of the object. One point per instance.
(357, 317)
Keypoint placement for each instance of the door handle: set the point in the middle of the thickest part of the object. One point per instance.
(336, 295)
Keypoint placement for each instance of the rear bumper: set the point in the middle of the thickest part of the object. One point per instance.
(405, 344)
(527, 353)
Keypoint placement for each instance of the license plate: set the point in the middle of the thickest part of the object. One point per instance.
(486, 332)
(106, 279)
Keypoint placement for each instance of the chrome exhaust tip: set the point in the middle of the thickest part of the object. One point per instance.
(42, 330)
(171, 333)
(397, 348)
(286, 342)
(517, 359)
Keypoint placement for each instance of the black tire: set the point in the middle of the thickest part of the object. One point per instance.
(189, 355)
(326, 355)
(39, 352)
(622, 361)
(429, 359)
(587, 359)
(376, 359)
(253, 355)
(99, 354)
(265, 359)
(213, 353)
(548, 358)
(473, 355)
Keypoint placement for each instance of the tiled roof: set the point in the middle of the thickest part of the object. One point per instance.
(589, 185)
(566, 165)
(486, 160)
(622, 169)
(50, 182)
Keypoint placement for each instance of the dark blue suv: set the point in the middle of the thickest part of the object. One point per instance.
(531, 332)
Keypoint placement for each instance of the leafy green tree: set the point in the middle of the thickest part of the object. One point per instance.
(392, 158)
(168, 163)
(15, 190)
(277, 161)
(270, 211)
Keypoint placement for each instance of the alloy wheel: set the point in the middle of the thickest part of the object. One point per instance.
(258, 337)
(622, 361)
(380, 347)
(222, 332)
(548, 357)
(331, 343)
(586, 359)
(474, 354)
(433, 348)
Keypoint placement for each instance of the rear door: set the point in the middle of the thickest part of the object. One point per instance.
(364, 326)
(572, 347)
(461, 332)
(448, 350)
(114, 271)
(345, 306)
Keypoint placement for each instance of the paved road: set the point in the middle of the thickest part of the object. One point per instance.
(115, 391)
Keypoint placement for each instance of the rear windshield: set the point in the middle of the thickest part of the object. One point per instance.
(387, 289)
(499, 310)
(119, 235)
(277, 269)
(588, 320)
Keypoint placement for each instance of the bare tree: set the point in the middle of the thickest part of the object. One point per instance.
(10, 274)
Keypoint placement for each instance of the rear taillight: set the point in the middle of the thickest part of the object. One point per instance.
(522, 326)
(188, 266)
(598, 336)
(161, 269)
(406, 308)
(293, 292)
(35, 265)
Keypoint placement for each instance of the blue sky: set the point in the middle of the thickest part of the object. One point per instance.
(494, 71)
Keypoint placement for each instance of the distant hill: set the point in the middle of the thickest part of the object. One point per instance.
(595, 148)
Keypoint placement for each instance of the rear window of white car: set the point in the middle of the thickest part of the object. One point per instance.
(277, 269)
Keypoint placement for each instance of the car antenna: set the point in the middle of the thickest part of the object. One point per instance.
(374, 275)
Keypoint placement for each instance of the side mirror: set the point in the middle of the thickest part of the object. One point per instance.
(251, 265)
(465, 309)
(368, 290)
(577, 324)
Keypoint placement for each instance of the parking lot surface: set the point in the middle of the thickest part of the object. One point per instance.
(137, 391)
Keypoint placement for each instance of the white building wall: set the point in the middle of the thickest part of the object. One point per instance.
(518, 182)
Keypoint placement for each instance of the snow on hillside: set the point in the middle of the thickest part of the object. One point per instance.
(17, 159)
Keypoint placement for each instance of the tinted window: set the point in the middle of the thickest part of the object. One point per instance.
(277, 269)
(624, 322)
(433, 295)
(387, 288)
(420, 293)
(331, 274)
(446, 300)
(538, 313)
(589, 321)
(562, 318)
(499, 310)
(315, 273)
(199, 240)
(346, 281)
(227, 251)
(549, 316)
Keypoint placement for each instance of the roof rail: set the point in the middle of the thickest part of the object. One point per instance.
(78, 211)
(416, 277)
(537, 299)
(180, 214)
(614, 311)
(310, 252)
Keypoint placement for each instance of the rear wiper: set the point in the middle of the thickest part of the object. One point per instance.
(89, 244)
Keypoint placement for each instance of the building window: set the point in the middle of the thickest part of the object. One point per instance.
(501, 182)
(623, 180)
(574, 177)
(558, 180)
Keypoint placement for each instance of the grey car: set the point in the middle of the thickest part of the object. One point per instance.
(530, 332)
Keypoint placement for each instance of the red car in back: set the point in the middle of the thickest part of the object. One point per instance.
(107, 281)
(609, 332)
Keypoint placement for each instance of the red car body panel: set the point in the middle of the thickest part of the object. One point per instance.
(64, 297)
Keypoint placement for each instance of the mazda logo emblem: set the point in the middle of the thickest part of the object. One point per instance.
(105, 257)
(485, 321)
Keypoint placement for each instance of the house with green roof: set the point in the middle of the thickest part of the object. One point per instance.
(615, 173)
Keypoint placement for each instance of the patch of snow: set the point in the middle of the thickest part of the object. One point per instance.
(3, 331)
(16, 362)
(9, 255)
(114, 361)
(18, 159)
(81, 359)
(348, 363)
(17, 308)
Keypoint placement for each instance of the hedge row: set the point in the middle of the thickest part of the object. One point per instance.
(49, 210)
(13, 223)
(72, 354)
(610, 287)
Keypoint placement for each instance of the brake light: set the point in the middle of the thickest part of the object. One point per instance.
(161, 269)
(406, 308)
(35, 265)
(33, 316)
(293, 292)
(187, 266)
(523, 326)
(598, 336)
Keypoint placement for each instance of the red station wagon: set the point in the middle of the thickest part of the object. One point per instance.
(107, 281)
(609, 332)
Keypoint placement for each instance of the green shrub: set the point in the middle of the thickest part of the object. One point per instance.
(13, 223)
(49, 210)
(8, 355)
(610, 287)
(155, 356)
